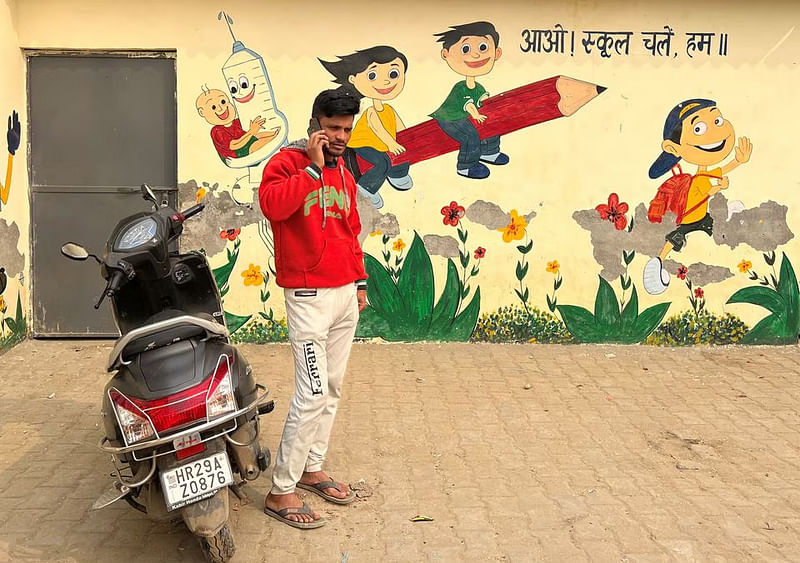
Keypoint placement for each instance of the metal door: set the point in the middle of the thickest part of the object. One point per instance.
(100, 125)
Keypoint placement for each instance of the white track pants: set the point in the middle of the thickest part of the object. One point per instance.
(322, 323)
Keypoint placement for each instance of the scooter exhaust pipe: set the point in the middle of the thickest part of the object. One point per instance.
(245, 449)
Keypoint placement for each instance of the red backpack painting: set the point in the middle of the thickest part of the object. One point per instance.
(672, 195)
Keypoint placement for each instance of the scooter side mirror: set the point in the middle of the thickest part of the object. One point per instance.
(149, 195)
(74, 251)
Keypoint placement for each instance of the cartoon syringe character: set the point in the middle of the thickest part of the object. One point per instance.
(251, 91)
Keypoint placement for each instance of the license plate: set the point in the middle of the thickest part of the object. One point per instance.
(196, 480)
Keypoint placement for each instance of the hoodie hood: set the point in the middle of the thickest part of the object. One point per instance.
(297, 145)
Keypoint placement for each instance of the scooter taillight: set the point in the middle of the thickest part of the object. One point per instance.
(134, 423)
(198, 403)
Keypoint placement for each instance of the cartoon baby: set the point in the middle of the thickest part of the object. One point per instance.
(229, 137)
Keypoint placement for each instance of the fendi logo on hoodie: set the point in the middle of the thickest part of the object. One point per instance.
(333, 198)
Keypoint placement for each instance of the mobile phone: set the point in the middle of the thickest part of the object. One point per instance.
(315, 126)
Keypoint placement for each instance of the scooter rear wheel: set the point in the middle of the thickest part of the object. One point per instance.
(220, 547)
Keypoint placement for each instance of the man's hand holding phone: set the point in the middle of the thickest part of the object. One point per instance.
(317, 143)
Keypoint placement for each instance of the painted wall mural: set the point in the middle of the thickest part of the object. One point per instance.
(13, 136)
(246, 79)
(13, 324)
(430, 284)
(468, 121)
(694, 132)
(377, 74)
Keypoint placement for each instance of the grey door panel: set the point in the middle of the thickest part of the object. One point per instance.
(102, 121)
(65, 291)
(100, 126)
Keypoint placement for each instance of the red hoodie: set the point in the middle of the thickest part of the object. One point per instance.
(314, 221)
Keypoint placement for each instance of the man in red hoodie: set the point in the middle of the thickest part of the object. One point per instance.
(309, 198)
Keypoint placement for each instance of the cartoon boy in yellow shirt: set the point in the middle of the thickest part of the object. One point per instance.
(379, 74)
(696, 132)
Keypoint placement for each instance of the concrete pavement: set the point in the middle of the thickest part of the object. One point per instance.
(518, 453)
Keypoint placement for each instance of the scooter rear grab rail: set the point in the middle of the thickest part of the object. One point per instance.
(115, 358)
(116, 450)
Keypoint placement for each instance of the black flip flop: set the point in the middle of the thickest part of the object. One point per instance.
(319, 489)
(305, 510)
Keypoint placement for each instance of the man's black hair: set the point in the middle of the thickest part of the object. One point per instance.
(474, 29)
(349, 65)
(329, 103)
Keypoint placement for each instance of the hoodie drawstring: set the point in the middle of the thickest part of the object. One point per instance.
(322, 199)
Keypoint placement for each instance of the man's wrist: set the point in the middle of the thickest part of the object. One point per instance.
(314, 170)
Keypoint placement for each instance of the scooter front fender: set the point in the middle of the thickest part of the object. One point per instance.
(206, 517)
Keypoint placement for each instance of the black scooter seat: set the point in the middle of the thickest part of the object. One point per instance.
(163, 335)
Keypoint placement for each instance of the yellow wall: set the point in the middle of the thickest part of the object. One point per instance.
(14, 215)
(558, 168)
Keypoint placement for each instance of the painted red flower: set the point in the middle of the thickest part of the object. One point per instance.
(614, 211)
(480, 252)
(682, 271)
(229, 234)
(698, 292)
(452, 214)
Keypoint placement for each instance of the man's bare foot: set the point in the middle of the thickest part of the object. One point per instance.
(314, 477)
(291, 500)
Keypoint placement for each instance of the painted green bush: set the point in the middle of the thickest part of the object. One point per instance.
(405, 310)
(222, 276)
(516, 324)
(260, 331)
(611, 322)
(17, 328)
(780, 298)
(703, 328)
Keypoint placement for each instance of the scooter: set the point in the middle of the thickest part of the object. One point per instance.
(181, 411)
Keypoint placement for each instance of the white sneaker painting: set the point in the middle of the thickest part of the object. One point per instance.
(655, 278)
(375, 199)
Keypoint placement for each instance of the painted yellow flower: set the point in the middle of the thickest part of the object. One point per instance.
(398, 245)
(2, 304)
(253, 275)
(376, 233)
(553, 267)
(745, 266)
(515, 230)
(201, 193)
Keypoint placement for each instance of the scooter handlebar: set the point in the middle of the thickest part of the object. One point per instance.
(111, 287)
(193, 210)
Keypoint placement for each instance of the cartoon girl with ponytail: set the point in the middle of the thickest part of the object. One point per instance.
(377, 73)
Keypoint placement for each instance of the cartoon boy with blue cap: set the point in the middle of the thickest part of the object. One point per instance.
(695, 132)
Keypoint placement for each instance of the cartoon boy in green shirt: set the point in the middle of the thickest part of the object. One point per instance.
(470, 50)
